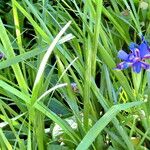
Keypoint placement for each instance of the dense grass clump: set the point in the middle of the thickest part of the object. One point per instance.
(58, 85)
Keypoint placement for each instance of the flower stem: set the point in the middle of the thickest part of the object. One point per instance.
(136, 77)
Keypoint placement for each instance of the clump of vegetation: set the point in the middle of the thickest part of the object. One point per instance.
(58, 85)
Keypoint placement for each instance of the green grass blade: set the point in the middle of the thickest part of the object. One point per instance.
(10, 53)
(119, 75)
(34, 24)
(50, 90)
(22, 57)
(3, 137)
(41, 108)
(43, 63)
(102, 123)
(99, 7)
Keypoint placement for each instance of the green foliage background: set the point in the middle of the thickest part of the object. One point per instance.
(58, 88)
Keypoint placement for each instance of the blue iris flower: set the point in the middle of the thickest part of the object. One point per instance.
(1, 55)
(136, 58)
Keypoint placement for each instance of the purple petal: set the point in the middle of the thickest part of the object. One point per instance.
(132, 58)
(144, 49)
(143, 40)
(142, 37)
(1, 55)
(147, 56)
(122, 55)
(123, 65)
(136, 52)
(145, 65)
(73, 85)
(137, 67)
(132, 46)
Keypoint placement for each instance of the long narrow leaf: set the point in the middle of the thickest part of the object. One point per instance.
(102, 123)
